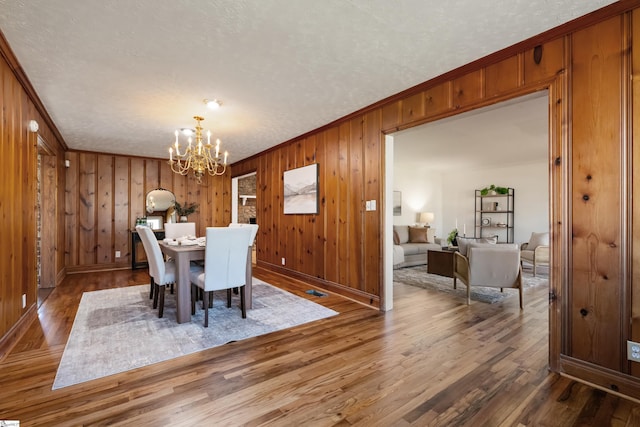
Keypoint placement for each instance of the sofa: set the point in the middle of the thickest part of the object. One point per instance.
(411, 243)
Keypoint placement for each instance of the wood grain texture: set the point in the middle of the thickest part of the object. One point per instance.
(635, 189)
(18, 195)
(48, 218)
(106, 193)
(552, 62)
(503, 76)
(432, 361)
(597, 279)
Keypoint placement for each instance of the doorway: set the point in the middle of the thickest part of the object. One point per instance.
(243, 198)
(46, 219)
(444, 161)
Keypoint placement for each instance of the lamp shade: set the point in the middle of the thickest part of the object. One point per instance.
(426, 217)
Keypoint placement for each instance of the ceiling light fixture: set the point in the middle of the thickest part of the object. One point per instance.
(198, 156)
(213, 104)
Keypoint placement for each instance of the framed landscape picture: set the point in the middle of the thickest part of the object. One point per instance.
(301, 190)
(397, 203)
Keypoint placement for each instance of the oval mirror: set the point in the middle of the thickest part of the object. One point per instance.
(159, 205)
(159, 200)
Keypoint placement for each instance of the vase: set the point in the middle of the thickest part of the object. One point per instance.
(183, 218)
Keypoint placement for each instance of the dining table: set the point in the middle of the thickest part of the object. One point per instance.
(182, 256)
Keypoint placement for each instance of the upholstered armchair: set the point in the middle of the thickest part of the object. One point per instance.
(536, 250)
(489, 265)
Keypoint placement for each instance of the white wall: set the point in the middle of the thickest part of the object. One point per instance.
(531, 199)
(450, 196)
(421, 192)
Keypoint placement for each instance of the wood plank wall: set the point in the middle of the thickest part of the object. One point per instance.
(105, 193)
(18, 162)
(597, 177)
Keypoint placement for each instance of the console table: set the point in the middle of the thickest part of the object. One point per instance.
(138, 255)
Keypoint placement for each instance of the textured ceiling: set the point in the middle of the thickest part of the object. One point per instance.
(120, 76)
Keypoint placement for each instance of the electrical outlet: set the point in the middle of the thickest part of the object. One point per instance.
(283, 261)
(24, 300)
(633, 351)
(117, 254)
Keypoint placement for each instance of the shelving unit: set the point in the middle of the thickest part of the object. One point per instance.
(494, 215)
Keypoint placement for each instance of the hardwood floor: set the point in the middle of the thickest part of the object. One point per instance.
(430, 361)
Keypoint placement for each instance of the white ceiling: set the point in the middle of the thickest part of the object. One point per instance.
(509, 133)
(120, 76)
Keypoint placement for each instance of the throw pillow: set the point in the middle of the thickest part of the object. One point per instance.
(403, 233)
(396, 238)
(538, 239)
(418, 235)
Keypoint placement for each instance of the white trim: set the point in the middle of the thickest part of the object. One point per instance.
(387, 241)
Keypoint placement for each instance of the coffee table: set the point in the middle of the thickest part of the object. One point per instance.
(441, 263)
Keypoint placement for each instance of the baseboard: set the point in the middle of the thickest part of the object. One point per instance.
(11, 338)
(61, 275)
(97, 267)
(601, 378)
(353, 294)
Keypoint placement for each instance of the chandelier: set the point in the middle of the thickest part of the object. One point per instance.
(197, 156)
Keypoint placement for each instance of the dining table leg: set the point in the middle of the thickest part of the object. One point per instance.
(183, 288)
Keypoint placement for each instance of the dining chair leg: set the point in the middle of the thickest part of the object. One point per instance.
(151, 284)
(205, 305)
(228, 298)
(156, 290)
(161, 309)
(243, 305)
(194, 294)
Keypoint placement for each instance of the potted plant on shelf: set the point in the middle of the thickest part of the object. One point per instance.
(184, 210)
(492, 190)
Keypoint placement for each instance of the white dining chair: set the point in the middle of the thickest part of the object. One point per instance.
(224, 267)
(161, 272)
(249, 272)
(173, 230)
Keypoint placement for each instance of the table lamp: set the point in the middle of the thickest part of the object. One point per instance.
(426, 218)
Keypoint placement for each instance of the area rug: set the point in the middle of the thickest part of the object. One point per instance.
(116, 330)
(418, 276)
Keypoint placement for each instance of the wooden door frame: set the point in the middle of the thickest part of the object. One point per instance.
(44, 150)
(559, 186)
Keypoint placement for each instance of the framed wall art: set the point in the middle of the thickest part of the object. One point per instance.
(301, 190)
(397, 203)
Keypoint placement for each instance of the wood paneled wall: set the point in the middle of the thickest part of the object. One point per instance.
(18, 162)
(105, 193)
